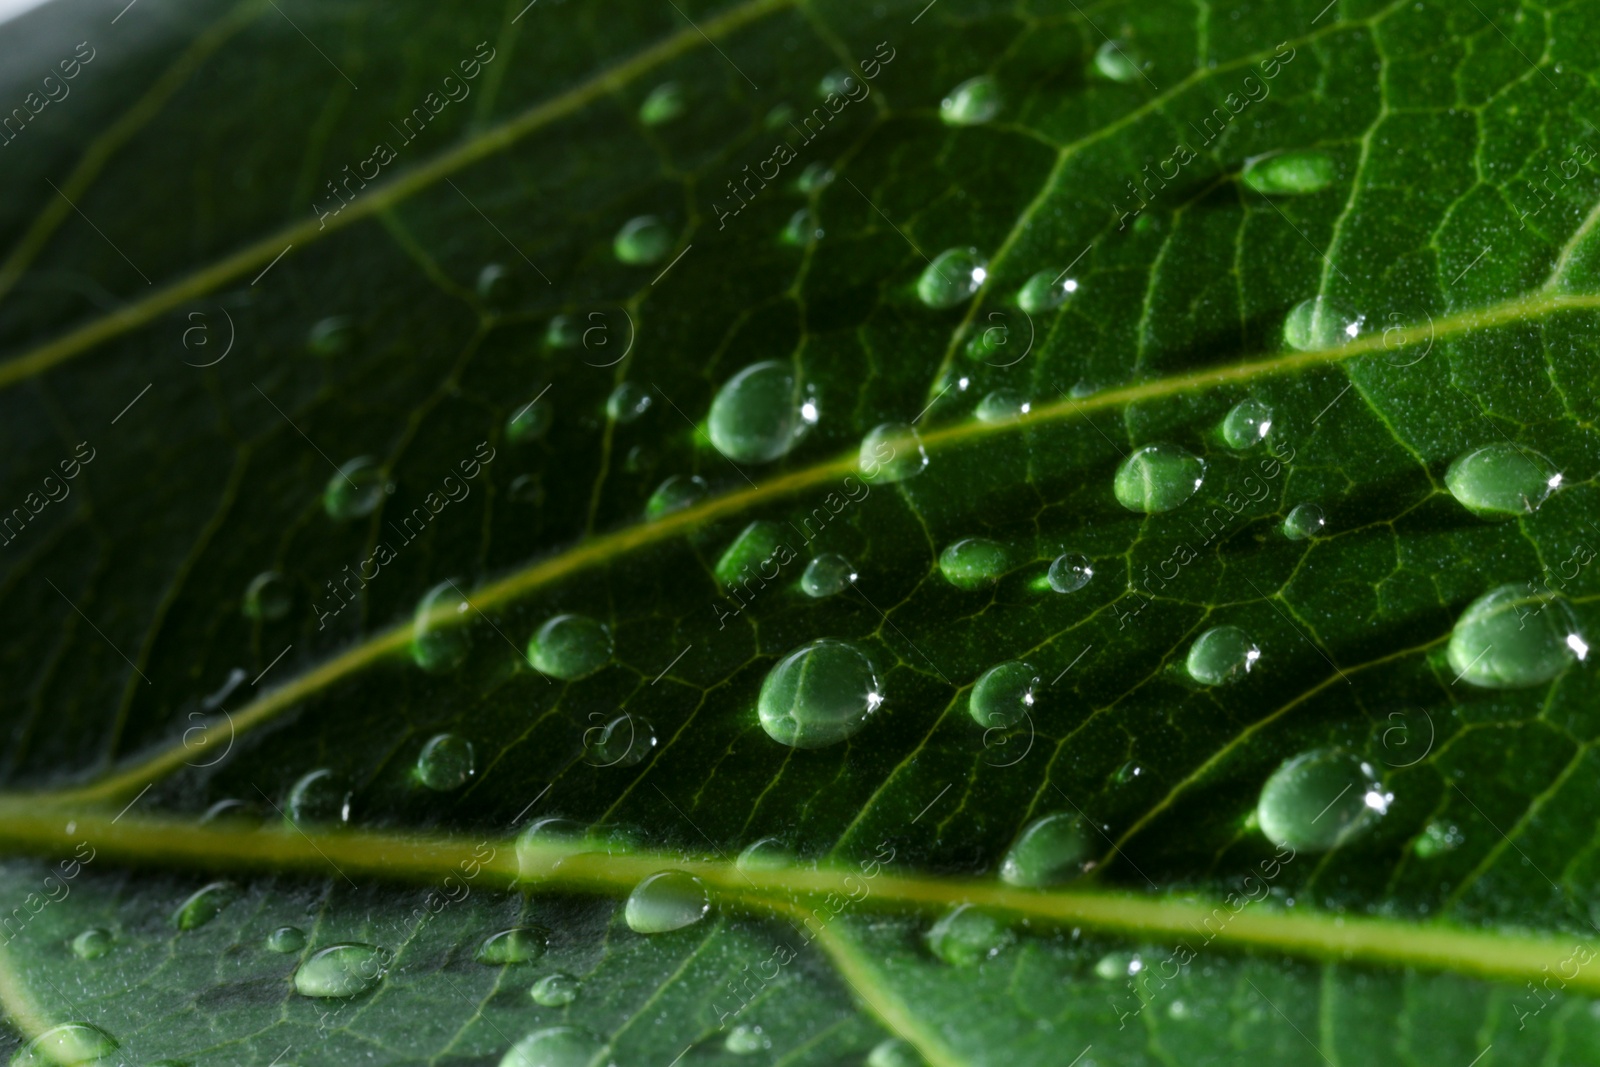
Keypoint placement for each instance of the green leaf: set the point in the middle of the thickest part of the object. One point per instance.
(423, 425)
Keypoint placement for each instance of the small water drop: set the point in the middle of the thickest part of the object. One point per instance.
(439, 640)
(676, 493)
(1129, 771)
(563, 331)
(494, 284)
(760, 413)
(1221, 655)
(67, 1045)
(543, 845)
(570, 647)
(627, 402)
(555, 990)
(625, 741)
(446, 762)
(669, 900)
(333, 336)
(92, 943)
(1319, 323)
(965, 936)
(343, 970)
(231, 809)
(1050, 850)
(1514, 637)
(802, 228)
(1289, 173)
(972, 103)
(767, 854)
(745, 1039)
(318, 796)
(891, 452)
(819, 694)
(1158, 478)
(759, 542)
(1438, 837)
(1070, 572)
(895, 1052)
(974, 563)
(286, 940)
(643, 240)
(1303, 522)
(954, 276)
(1320, 799)
(1119, 61)
(526, 489)
(837, 82)
(666, 102)
(1002, 405)
(529, 422)
(204, 904)
(521, 944)
(1501, 480)
(267, 598)
(558, 1046)
(827, 574)
(1003, 694)
(816, 177)
(355, 490)
(1247, 424)
(1114, 965)
(1045, 291)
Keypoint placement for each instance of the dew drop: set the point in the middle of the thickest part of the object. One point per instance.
(1114, 965)
(742, 559)
(267, 598)
(802, 228)
(953, 276)
(92, 943)
(625, 741)
(972, 103)
(1070, 572)
(767, 854)
(819, 694)
(973, 563)
(676, 493)
(1319, 323)
(627, 402)
(816, 177)
(544, 844)
(355, 490)
(204, 904)
(837, 83)
(1247, 424)
(529, 422)
(563, 331)
(1002, 405)
(231, 809)
(521, 944)
(642, 240)
(526, 489)
(760, 413)
(558, 1046)
(1221, 655)
(286, 940)
(1438, 837)
(1320, 799)
(744, 1039)
(1303, 522)
(67, 1045)
(1501, 480)
(343, 970)
(1514, 637)
(827, 574)
(1050, 850)
(1120, 62)
(1045, 291)
(332, 336)
(1158, 478)
(894, 1052)
(965, 936)
(891, 452)
(666, 102)
(1003, 694)
(446, 762)
(319, 796)
(668, 900)
(1127, 772)
(439, 640)
(1289, 173)
(494, 284)
(570, 646)
(555, 990)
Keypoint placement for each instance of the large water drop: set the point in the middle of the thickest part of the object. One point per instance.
(819, 694)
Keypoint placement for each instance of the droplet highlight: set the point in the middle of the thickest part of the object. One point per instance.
(642, 240)
(1221, 655)
(1247, 424)
(972, 103)
(1045, 291)
(1294, 173)
(1303, 522)
(1501, 480)
(92, 943)
(286, 940)
(570, 647)
(1070, 572)
(974, 563)
(666, 901)
(1003, 694)
(627, 402)
(820, 694)
(355, 490)
(446, 762)
(965, 936)
(666, 102)
(891, 452)
(827, 575)
(953, 277)
(521, 944)
(267, 598)
(1050, 850)
(439, 640)
(676, 493)
(1514, 637)
(760, 414)
(555, 990)
(1157, 478)
(204, 904)
(558, 1046)
(1319, 323)
(343, 970)
(1319, 800)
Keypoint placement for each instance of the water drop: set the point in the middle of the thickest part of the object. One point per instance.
(827, 574)
(816, 177)
(819, 694)
(802, 228)
(891, 452)
(743, 1039)
(1157, 478)
(563, 331)
(1320, 799)
(973, 563)
(1002, 405)
(972, 103)
(666, 102)
(439, 641)
(318, 796)
(778, 117)
(267, 598)
(1050, 850)
(355, 490)
(622, 742)
(1502, 480)
(67, 1045)
(544, 845)
(895, 1052)
(570, 646)
(1438, 837)
(555, 990)
(343, 970)
(1045, 291)
(1513, 637)
(446, 762)
(757, 543)
(676, 493)
(1003, 694)
(1289, 173)
(1127, 772)
(1221, 655)
(669, 900)
(642, 240)
(964, 936)
(837, 83)
(1319, 323)
(627, 402)
(558, 1046)
(494, 284)
(231, 809)
(332, 336)
(953, 276)
(1070, 572)
(1304, 521)
(92, 943)
(521, 944)
(204, 904)
(760, 413)
(526, 489)
(1119, 61)
(1247, 424)
(767, 854)
(529, 422)
(1114, 965)
(286, 940)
